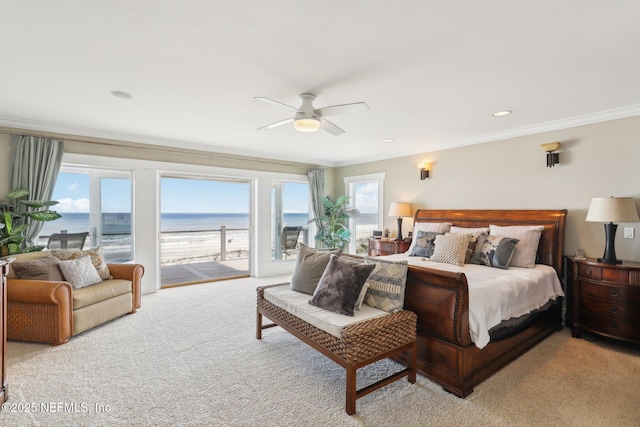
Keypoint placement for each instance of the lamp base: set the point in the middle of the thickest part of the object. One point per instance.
(399, 235)
(607, 261)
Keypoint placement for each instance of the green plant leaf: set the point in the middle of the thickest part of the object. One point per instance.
(43, 215)
(37, 204)
(17, 193)
(34, 248)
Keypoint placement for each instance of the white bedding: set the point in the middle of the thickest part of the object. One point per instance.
(495, 294)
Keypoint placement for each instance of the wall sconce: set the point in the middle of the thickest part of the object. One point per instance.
(424, 170)
(552, 158)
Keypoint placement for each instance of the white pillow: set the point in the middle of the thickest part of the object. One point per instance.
(451, 248)
(527, 247)
(473, 231)
(79, 272)
(436, 227)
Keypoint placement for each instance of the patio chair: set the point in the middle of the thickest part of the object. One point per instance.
(290, 240)
(67, 240)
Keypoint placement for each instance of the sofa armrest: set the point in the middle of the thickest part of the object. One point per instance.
(133, 272)
(39, 291)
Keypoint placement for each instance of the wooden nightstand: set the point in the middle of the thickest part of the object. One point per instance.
(606, 298)
(379, 247)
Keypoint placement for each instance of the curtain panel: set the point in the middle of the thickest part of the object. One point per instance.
(36, 163)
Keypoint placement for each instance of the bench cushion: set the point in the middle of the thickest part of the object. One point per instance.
(297, 303)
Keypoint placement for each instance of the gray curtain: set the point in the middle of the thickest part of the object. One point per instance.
(316, 192)
(36, 163)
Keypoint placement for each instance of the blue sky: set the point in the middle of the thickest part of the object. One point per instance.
(177, 195)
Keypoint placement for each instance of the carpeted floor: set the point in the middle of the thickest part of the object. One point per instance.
(190, 357)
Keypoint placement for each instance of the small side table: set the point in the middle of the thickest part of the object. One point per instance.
(379, 247)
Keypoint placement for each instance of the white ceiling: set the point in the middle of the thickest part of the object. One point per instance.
(432, 72)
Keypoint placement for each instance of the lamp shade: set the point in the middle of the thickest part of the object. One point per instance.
(399, 210)
(612, 209)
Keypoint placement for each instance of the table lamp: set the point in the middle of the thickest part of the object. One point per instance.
(608, 210)
(399, 210)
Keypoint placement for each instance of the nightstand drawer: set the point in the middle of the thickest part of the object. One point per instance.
(608, 326)
(627, 294)
(611, 309)
(590, 272)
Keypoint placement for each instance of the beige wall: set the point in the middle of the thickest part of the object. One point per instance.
(596, 160)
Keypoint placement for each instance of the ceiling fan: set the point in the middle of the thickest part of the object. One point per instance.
(310, 119)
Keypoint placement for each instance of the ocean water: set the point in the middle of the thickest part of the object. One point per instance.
(120, 223)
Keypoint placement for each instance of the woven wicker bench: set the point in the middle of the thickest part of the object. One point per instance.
(361, 344)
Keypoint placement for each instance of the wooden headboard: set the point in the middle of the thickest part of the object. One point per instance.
(551, 246)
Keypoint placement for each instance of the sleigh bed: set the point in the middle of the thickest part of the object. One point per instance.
(445, 351)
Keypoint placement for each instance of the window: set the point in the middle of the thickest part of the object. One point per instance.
(96, 201)
(365, 194)
(289, 208)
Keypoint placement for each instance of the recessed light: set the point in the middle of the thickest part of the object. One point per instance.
(121, 94)
(389, 140)
(502, 113)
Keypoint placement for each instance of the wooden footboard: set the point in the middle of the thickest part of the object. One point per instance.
(440, 300)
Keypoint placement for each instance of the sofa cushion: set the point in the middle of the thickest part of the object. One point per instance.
(97, 259)
(100, 292)
(79, 272)
(45, 268)
(340, 285)
(309, 267)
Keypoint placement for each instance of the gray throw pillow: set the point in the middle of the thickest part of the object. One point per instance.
(340, 285)
(309, 267)
(424, 242)
(79, 272)
(494, 251)
(38, 269)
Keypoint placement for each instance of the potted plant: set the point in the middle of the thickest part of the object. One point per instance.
(332, 227)
(14, 220)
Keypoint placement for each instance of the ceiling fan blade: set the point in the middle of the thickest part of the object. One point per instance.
(276, 103)
(276, 124)
(326, 125)
(334, 110)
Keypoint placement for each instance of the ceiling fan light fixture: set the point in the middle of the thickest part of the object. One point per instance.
(307, 124)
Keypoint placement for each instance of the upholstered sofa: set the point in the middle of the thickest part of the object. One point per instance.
(52, 311)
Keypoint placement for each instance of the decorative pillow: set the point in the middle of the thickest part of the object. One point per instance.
(340, 285)
(79, 272)
(309, 268)
(363, 292)
(435, 227)
(38, 269)
(475, 232)
(451, 248)
(386, 284)
(96, 255)
(424, 243)
(527, 247)
(494, 251)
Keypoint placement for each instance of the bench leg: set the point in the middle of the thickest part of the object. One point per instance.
(413, 362)
(351, 390)
(258, 325)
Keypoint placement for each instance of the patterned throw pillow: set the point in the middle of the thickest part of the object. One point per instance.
(386, 284)
(475, 233)
(309, 267)
(451, 248)
(38, 269)
(340, 285)
(424, 243)
(494, 251)
(96, 255)
(79, 272)
(435, 227)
